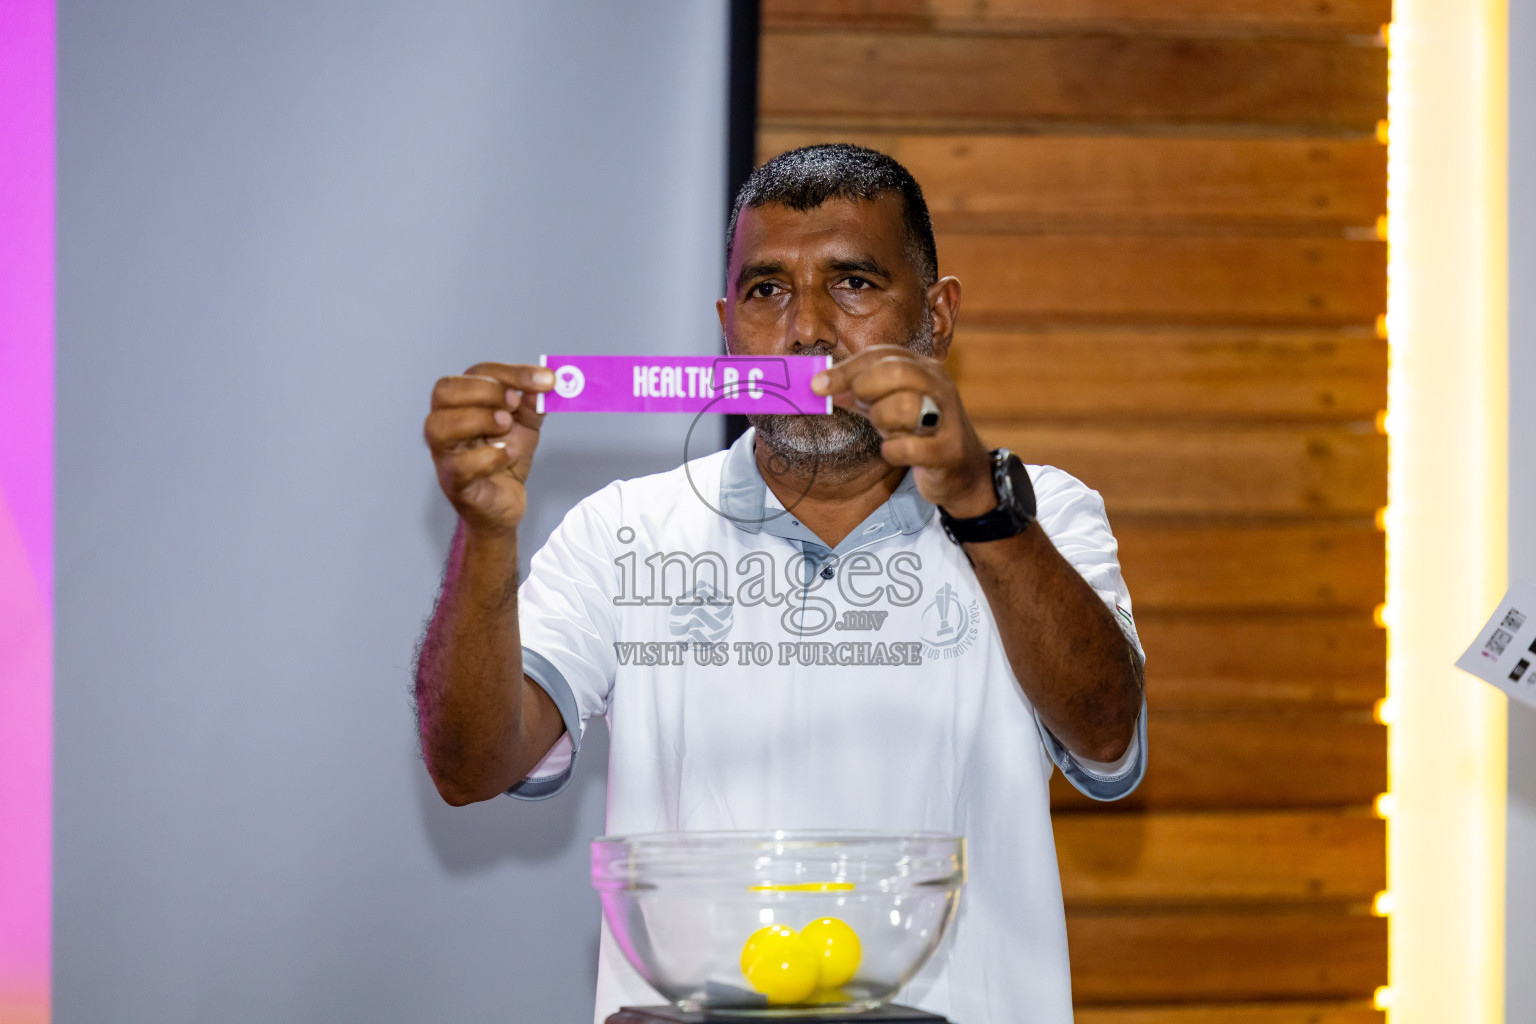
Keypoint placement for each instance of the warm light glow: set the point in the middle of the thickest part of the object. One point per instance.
(1385, 805)
(1382, 999)
(1382, 905)
(1446, 528)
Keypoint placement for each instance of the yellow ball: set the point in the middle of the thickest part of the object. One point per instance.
(836, 946)
(779, 964)
(755, 944)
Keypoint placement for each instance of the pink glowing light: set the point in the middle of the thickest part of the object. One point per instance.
(26, 505)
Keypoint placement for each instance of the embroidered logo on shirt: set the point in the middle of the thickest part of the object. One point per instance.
(949, 624)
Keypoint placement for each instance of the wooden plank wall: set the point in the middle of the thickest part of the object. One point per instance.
(1165, 215)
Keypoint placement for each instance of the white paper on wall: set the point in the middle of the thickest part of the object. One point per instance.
(1504, 652)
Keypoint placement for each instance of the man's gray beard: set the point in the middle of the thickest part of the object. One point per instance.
(843, 440)
(846, 438)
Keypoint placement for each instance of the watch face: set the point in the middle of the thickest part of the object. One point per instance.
(1023, 491)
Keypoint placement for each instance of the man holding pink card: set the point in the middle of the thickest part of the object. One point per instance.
(857, 617)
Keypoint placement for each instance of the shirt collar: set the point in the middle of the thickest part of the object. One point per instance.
(746, 501)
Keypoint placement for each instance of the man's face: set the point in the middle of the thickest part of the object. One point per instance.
(834, 280)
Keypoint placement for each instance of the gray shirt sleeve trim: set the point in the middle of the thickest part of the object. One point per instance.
(1094, 784)
(551, 681)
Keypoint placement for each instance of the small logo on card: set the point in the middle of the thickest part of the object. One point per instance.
(569, 380)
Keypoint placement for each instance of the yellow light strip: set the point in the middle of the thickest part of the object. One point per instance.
(1447, 423)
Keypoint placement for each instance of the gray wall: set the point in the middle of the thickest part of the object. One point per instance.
(279, 222)
(1520, 913)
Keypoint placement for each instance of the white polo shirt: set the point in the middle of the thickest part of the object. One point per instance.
(752, 678)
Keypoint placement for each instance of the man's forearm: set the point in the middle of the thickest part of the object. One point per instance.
(477, 733)
(1075, 665)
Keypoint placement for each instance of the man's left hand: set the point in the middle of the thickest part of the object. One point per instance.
(887, 383)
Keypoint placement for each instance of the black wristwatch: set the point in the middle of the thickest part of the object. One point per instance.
(1015, 505)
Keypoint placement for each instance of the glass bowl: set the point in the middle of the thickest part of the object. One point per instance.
(683, 905)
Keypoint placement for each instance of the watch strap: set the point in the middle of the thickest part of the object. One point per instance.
(1010, 518)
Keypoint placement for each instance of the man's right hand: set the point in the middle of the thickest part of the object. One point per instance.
(484, 724)
(482, 432)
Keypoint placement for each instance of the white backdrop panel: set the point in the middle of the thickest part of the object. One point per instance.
(280, 222)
